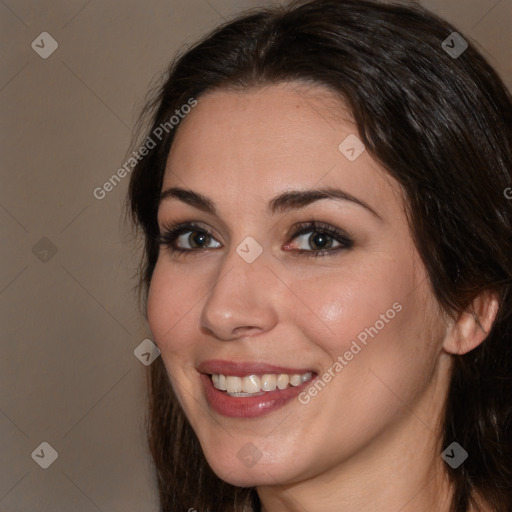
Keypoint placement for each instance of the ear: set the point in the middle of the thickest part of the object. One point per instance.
(472, 325)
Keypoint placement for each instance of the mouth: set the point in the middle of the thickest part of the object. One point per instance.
(255, 385)
(247, 390)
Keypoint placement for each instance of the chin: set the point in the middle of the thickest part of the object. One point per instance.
(243, 470)
(249, 477)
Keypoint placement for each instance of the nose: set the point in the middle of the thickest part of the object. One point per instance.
(242, 300)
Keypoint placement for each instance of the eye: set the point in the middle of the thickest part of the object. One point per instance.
(187, 234)
(322, 238)
(198, 239)
(188, 237)
(318, 240)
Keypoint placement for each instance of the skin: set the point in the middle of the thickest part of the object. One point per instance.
(370, 440)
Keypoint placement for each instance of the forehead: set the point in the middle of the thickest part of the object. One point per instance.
(263, 141)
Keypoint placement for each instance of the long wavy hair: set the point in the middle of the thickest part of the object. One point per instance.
(441, 125)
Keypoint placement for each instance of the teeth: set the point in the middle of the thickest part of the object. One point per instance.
(282, 381)
(306, 377)
(233, 384)
(252, 385)
(247, 394)
(268, 382)
(295, 380)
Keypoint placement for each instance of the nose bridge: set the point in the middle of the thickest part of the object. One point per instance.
(240, 297)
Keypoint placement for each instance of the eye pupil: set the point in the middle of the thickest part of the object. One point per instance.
(321, 240)
(198, 238)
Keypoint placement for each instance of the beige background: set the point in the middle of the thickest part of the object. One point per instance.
(68, 374)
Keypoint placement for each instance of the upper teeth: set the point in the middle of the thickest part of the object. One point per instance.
(255, 384)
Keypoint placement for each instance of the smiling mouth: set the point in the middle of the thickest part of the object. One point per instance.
(257, 385)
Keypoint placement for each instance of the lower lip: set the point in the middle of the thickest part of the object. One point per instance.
(252, 406)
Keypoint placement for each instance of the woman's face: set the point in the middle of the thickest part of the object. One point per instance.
(359, 318)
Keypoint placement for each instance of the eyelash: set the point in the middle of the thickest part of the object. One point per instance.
(171, 232)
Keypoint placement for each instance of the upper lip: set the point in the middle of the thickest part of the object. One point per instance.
(240, 369)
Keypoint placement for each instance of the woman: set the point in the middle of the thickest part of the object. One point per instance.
(375, 375)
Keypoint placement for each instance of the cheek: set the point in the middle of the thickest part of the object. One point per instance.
(170, 311)
(378, 320)
(170, 305)
(359, 305)
(386, 342)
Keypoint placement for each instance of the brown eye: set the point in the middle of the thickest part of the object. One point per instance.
(198, 237)
(186, 237)
(320, 239)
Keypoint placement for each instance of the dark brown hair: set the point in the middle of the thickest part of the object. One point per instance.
(441, 125)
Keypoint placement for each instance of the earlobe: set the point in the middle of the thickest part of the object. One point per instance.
(472, 325)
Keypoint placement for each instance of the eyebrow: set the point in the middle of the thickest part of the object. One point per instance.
(289, 200)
